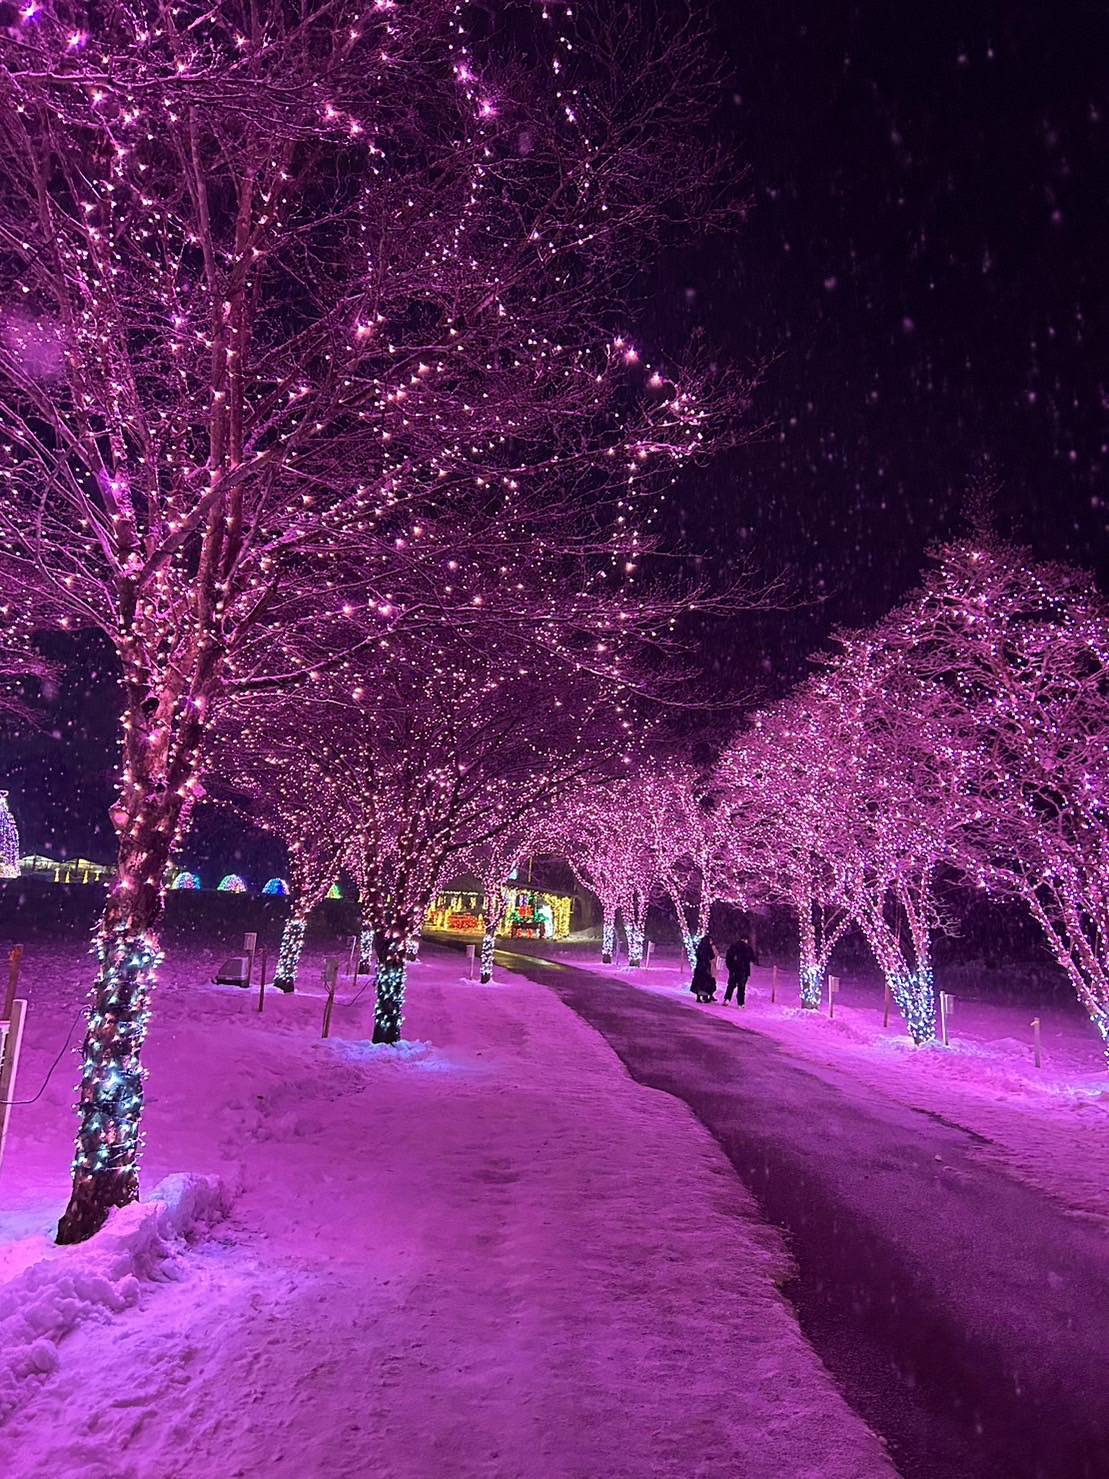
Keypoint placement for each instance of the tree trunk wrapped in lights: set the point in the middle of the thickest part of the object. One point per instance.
(289, 952)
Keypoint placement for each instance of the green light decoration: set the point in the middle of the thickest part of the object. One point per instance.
(288, 953)
(334, 892)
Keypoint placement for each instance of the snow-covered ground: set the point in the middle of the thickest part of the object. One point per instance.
(1049, 1124)
(484, 1252)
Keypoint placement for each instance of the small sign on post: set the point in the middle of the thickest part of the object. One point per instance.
(250, 945)
(262, 982)
(947, 1006)
(330, 978)
(471, 959)
(773, 983)
(11, 1038)
(1036, 1040)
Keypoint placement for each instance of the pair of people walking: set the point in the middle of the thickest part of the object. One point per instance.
(739, 959)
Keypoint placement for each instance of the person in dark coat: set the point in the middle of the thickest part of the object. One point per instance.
(739, 960)
(703, 985)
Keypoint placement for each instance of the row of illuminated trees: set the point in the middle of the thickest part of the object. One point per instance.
(318, 404)
(962, 740)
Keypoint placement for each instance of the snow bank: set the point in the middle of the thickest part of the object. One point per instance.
(140, 1244)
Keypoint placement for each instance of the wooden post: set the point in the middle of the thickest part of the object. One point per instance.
(471, 956)
(1036, 1040)
(262, 982)
(15, 960)
(355, 962)
(11, 1038)
(773, 983)
(833, 987)
(330, 977)
(886, 1007)
(647, 955)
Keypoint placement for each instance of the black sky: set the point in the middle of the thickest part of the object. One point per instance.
(923, 273)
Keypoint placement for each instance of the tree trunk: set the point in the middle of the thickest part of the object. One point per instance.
(288, 953)
(365, 950)
(635, 945)
(608, 933)
(391, 971)
(109, 1107)
(812, 975)
(488, 948)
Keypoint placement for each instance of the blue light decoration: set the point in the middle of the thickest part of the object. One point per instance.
(288, 953)
(185, 880)
(812, 987)
(232, 884)
(276, 888)
(915, 996)
(111, 1088)
(9, 840)
(390, 1000)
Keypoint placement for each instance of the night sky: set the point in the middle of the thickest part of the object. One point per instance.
(921, 274)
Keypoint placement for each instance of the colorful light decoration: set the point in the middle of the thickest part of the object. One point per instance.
(185, 880)
(9, 840)
(276, 888)
(334, 892)
(232, 884)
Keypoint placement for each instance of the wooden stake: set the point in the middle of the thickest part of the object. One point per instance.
(15, 960)
(833, 987)
(262, 982)
(1036, 1040)
(773, 983)
(886, 1007)
(330, 976)
(10, 1041)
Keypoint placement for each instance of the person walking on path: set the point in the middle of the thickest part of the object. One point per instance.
(703, 984)
(739, 960)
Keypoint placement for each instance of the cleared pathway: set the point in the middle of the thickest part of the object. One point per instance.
(964, 1313)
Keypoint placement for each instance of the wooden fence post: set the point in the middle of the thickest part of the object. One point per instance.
(330, 977)
(15, 960)
(11, 1038)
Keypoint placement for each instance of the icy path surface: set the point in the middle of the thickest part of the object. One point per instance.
(496, 1255)
(963, 1308)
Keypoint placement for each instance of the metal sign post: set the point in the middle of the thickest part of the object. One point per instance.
(647, 955)
(947, 1006)
(250, 945)
(471, 956)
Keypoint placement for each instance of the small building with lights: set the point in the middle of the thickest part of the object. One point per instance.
(531, 913)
